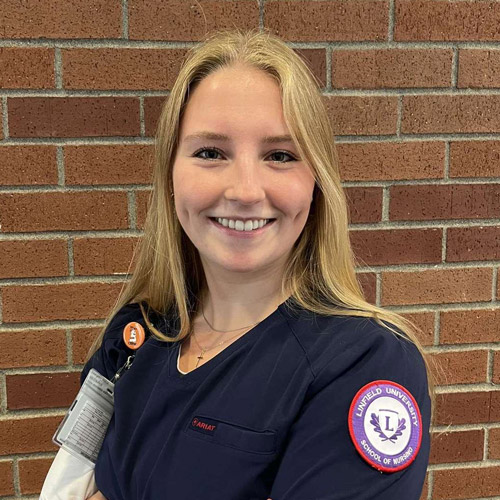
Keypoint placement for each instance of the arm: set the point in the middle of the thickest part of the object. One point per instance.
(322, 459)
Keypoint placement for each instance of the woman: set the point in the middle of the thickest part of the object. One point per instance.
(265, 372)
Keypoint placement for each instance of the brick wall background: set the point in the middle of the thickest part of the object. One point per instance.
(413, 91)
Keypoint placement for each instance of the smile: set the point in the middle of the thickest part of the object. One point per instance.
(241, 234)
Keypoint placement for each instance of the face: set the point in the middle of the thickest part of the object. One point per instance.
(242, 177)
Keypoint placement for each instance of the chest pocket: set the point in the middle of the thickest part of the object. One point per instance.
(231, 434)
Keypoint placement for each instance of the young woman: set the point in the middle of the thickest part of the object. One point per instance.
(265, 373)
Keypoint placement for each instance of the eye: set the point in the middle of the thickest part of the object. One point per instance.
(218, 151)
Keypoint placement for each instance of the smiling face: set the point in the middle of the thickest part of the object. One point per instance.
(244, 177)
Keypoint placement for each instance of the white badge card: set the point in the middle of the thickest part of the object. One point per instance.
(84, 427)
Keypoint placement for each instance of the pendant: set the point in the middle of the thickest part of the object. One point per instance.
(199, 357)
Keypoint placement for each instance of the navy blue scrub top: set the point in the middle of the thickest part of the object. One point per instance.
(265, 418)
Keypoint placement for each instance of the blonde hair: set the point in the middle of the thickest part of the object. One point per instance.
(320, 273)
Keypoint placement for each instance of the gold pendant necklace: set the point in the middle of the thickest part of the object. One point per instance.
(203, 350)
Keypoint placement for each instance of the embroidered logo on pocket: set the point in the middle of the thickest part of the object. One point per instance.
(233, 435)
(204, 425)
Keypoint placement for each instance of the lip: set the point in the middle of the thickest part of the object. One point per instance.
(241, 234)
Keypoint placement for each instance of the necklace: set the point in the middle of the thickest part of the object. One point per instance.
(203, 351)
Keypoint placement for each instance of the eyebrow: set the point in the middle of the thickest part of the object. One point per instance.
(270, 139)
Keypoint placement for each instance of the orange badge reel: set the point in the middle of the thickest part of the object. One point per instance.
(133, 335)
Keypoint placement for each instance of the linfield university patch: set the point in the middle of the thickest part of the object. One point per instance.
(385, 425)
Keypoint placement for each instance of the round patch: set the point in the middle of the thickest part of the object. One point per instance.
(385, 425)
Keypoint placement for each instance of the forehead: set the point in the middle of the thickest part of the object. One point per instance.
(240, 101)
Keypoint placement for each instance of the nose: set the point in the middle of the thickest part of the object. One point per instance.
(245, 183)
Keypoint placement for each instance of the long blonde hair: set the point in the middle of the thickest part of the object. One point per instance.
(320, 272)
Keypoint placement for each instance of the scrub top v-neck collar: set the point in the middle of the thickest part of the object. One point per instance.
(250, 336)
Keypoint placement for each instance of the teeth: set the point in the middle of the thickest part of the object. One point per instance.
(239, 225)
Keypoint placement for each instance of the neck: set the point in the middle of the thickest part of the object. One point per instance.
(234, 300)
(229, 316)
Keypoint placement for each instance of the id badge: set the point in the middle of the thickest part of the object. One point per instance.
(84, 427)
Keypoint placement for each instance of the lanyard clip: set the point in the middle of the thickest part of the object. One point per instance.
(133, 337)
(125, 367)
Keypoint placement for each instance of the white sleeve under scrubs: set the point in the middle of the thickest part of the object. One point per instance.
(301, 407)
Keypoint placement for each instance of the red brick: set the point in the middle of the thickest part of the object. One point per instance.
(38, 347)
(69, 301)
(368, 284)
(28, 435)
(82, 341)
(424, 321)
(6, 478)
(317, 21)
(100, 256)
(495, 406)
(474, 159)
(130, 68)
(141, 202)
(436, 286)
(469, 327)
(463, 367)
(364, 204)
(152, 110)
(494, 443)
(1, 122)
(56, 19)
(33, 258)
(108, 164)
(391, 68)
(32, 474)
(41, 390)
(396, 246)
(29, 68)
(315, 59)
(29, 165)
(353, 115)
(496, 368)
(73, 116)
(478, 68)
(466, 483)
(447, 201)
(473, 243)
(452, 114)
(369, 161)
(153, 20)
(460, 446)
(441, 20)
(64, 211)
(465, 408)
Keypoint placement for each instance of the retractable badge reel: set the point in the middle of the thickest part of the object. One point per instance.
(84, 426)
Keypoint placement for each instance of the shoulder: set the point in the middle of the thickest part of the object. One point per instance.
(353, 350)
(113, 351)
(349, 355)
(126, 314)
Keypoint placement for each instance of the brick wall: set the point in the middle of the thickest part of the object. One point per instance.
(412, 88)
